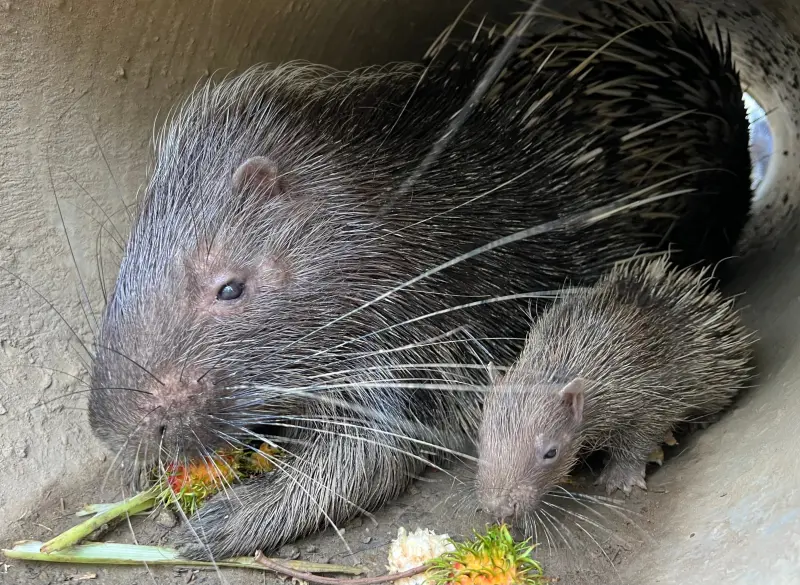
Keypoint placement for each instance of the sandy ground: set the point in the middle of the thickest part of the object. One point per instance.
(437, 501)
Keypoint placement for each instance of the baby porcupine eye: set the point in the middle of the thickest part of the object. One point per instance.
(230, 291)
(551, 454)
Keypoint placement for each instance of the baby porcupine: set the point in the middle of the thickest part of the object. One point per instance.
(613, 367)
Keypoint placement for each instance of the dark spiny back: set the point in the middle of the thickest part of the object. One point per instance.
(643, 66)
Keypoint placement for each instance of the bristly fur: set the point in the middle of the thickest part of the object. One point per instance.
(361, 401)
(652, 346)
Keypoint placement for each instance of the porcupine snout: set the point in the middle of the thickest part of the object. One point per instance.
(179, 391)
(162, 413)
(503, 497)
(177, 402)
(500, 506)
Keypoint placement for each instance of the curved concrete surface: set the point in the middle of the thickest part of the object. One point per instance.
(80, 85)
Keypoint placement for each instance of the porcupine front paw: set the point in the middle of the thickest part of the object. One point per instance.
(208, 533)
(230, 525)
(622, 476)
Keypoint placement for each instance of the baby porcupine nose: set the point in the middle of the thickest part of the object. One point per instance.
(500, 506)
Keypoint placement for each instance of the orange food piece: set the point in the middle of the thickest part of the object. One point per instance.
(187, 485)
(205, 473)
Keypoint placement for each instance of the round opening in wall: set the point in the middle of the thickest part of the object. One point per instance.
(761, 143)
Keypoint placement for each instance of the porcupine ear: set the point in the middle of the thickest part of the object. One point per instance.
(261, 173)
(572, 395)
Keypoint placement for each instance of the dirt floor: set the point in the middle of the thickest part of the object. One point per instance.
(588, 548)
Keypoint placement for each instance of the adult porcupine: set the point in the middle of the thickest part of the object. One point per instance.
(265, 226)
(613, 367)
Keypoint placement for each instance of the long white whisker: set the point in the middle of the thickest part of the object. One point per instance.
(219, 478)
(126, 443)
(556, 523)
(577, 515)
(316, 502)
(387, 433)
(278, 463)
(498, 299)
(197, 537)
(602, 550)
(431, 366)
(370, 441)
(583, 219)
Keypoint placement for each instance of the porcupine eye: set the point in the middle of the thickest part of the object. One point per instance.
(551, 453)
(230, 291)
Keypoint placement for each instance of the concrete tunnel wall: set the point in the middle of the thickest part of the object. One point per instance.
(81, 84)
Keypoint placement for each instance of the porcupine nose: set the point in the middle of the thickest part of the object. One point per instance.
(501, 507)
(181, 391)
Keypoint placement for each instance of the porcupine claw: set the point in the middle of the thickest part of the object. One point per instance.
(656, 456)
(616, 476)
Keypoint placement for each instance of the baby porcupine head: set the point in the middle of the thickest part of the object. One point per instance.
(527, 440)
